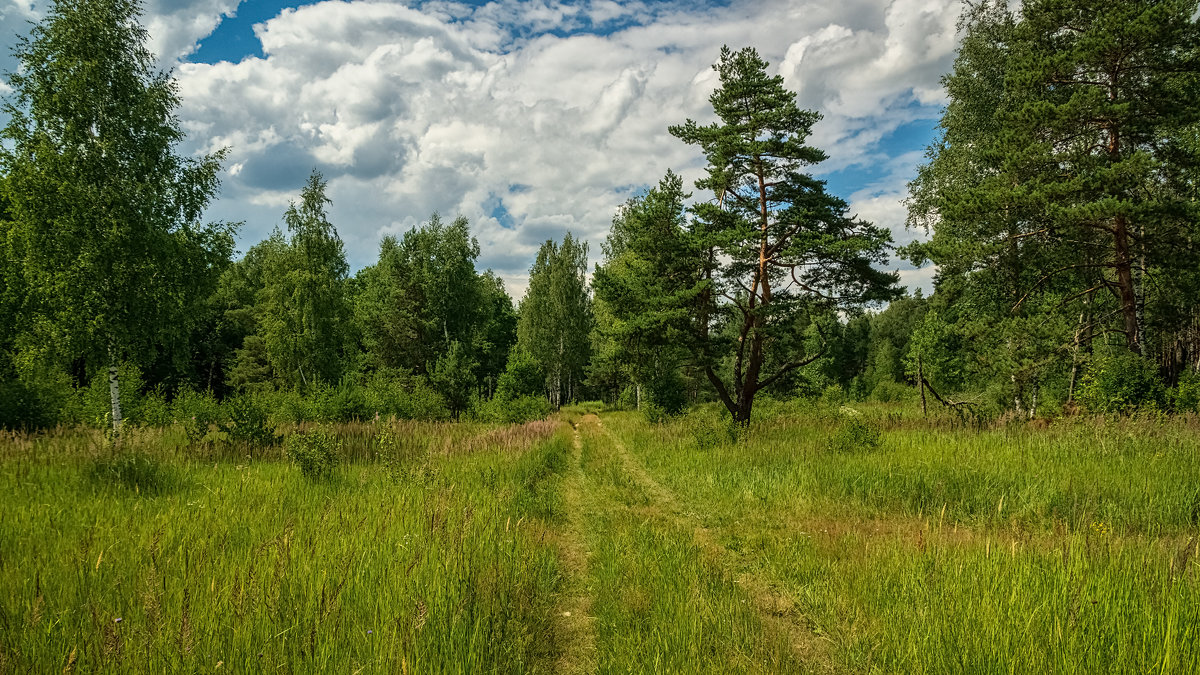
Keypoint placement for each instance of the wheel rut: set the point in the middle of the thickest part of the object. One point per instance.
(574, 622)
(775, 608)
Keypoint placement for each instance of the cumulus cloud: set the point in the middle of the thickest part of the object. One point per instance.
(531, 118)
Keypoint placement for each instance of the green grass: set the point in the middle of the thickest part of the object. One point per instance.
(251, 566)
(802, 546)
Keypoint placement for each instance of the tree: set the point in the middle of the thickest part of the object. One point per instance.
(555, 316)
(106, 214)
(424, 293)
(453, 376)
(777, 244)
(305, 315)
(647, 286)
(1063, 182)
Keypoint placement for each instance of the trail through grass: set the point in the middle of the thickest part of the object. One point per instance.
(604, 544)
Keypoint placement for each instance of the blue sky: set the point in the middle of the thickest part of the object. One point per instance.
(530, 117)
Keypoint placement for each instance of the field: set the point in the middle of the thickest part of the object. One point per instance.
(823, 540)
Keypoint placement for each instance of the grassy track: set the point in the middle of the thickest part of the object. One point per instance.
(606, 544)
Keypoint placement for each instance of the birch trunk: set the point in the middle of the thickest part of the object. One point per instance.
(114, 392)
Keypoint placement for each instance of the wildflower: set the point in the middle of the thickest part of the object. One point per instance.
(117, 620)
(370, 631)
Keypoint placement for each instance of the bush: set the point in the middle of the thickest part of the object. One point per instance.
(1185, 397)
(628, 398)
(197, 413)
(134, 471)
(856, 434)
(1121, 384)
(40, 401)
(346, 402)
(654, 413)
(519, 410)
(888, 391)
(315, 452)
(833, 395)
(155, 410)
(246, 421)
(710, 427)
(667, 392)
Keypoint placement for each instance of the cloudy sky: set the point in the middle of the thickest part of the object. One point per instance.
(531, 118)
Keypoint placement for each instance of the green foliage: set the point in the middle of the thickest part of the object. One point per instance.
(1121, 383)
(246, 421)
(135, 471)
(404, 456)
(155, 409)
(555, 318)
(764, 202)
(105, 213)
(888, 391)
(37, 401)
(453, 377)
(305, 313)
(97, 402)
(710, 427)
(505, 410)
(523, 376)
(315, 452)
(197, 412)
(855, 435)
(344, 402)
(1185, 397)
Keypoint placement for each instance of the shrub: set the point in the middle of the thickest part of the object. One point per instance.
(654, 413)
(710, 428)
(134, 471)
(518, 410)
(888, 391)
(628, 398)
(38, 401)
(855, 434)
(246, 421)
(346, 402)
(315, 452)
(197, 413)
(667, 392)
(1121, 384)
(155, 410)
(833, 395)
(1185, 397)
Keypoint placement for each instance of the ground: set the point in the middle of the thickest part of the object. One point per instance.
(824, 540)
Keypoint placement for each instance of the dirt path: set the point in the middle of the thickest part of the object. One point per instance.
(575, 624)
(776, 609)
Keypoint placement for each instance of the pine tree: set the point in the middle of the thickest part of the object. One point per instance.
(777, 244)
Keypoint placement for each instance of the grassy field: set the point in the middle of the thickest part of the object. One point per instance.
(825, 540)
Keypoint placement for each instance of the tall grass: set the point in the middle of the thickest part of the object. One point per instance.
(251, 567)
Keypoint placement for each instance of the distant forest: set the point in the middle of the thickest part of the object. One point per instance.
(1059, 203)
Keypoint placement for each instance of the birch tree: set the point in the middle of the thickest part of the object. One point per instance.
(106, 211)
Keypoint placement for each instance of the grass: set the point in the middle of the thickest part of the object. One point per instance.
(825, 540)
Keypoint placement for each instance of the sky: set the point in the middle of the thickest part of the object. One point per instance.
(530, 118)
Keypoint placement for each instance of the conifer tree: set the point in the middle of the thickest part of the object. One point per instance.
(777, 244)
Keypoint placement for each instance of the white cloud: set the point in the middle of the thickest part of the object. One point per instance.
(442, 106)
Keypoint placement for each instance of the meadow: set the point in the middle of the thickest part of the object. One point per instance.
(824, 539)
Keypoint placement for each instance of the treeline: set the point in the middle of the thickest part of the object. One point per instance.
(1060, 200)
